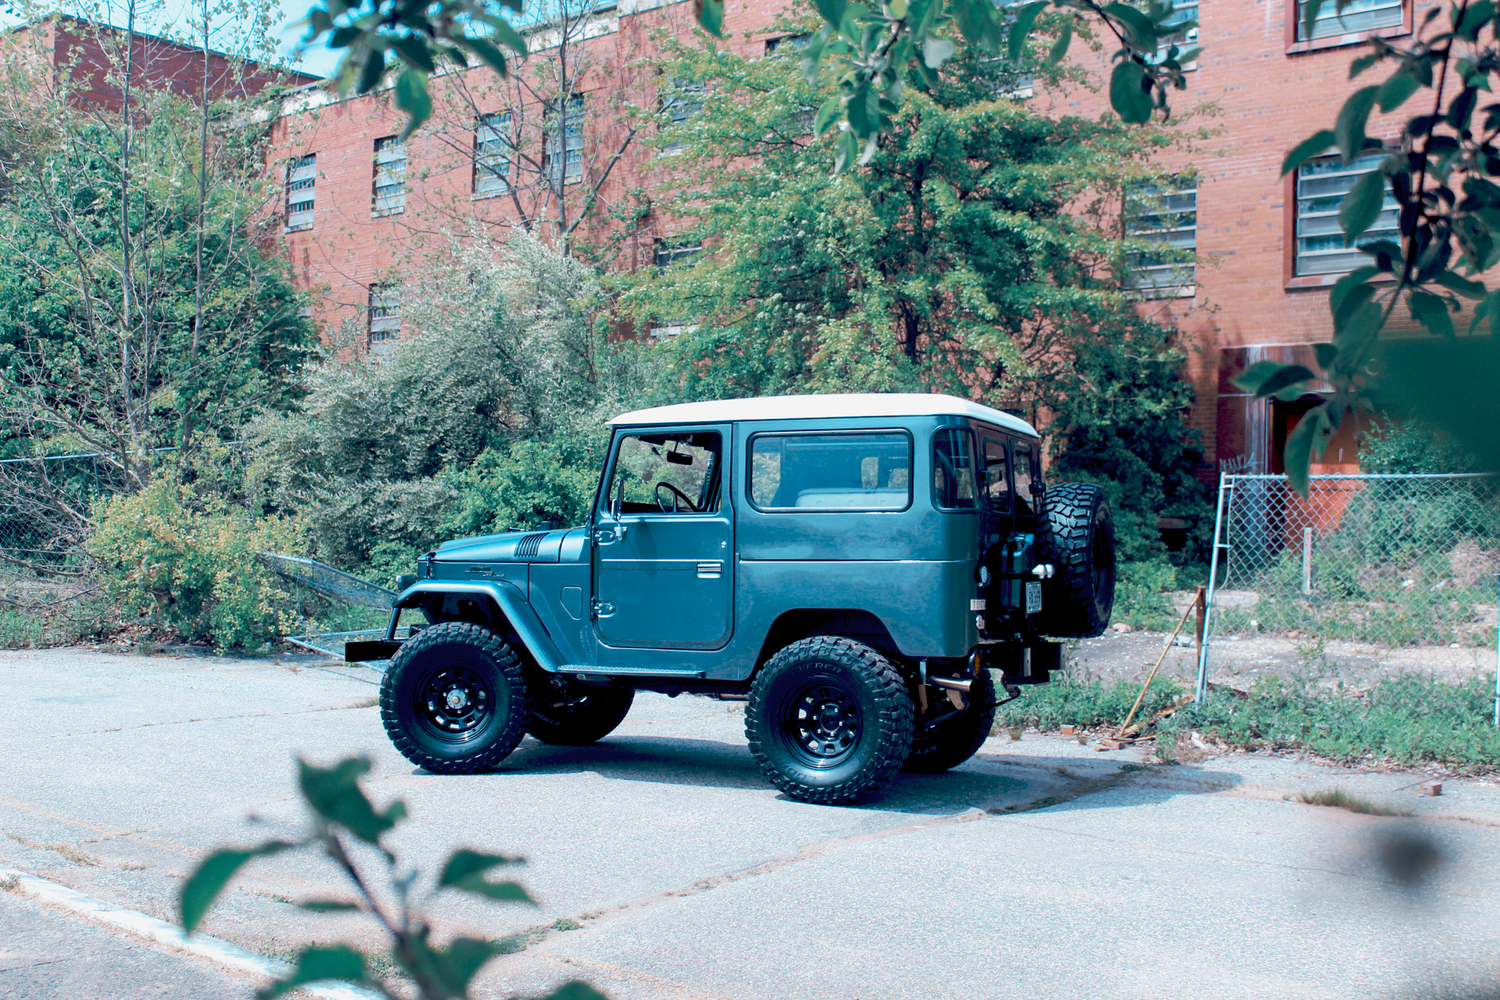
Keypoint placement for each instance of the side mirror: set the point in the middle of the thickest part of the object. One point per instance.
(617, 504)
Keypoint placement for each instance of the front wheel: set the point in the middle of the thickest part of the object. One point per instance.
(454, 699)
(954, 740)
(829, 720)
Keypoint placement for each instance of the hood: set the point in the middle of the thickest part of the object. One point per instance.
(509, 546)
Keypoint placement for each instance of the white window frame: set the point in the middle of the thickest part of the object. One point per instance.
(492, 149)
(384, 319)
(675, 253)
(563, 141)
(388, 195)
(301, 191)
(1359, 16)
(1320, 185)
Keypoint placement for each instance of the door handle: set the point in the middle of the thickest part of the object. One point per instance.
(711, 570)
(607, 535)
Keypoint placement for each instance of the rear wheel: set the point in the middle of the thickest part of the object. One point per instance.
(1077, 535)
(829, 720)
(954, 740)
(454, 700)
(575, 716)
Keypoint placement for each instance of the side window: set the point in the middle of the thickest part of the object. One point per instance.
(1025, 503)
(953, 470)
(996, 475)
(667, 473)
(831, 471)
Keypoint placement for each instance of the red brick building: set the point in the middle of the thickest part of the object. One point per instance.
(361, 206)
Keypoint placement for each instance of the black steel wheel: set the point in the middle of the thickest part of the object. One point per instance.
(454, 700)
(576, 715)
(829, 720)
(948, 743)
(1076, 534)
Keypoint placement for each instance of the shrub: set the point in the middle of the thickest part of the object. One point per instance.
(190, 562)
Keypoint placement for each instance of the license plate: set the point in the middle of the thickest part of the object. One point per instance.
(1033, 597)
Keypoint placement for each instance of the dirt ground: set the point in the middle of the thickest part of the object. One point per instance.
(1240, 662)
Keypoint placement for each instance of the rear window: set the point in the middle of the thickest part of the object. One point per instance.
(831, 471)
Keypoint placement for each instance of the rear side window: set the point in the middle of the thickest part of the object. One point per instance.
(996, 475)
(953, 470)
(831, 471)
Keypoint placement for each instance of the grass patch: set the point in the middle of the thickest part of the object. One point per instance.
(10, 883)
(565, 924)
(1406, 721)
(1337, 798)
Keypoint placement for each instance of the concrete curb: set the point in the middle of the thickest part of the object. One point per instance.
(200, 945)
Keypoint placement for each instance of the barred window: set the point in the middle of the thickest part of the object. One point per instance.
(1321, 186)
(385, 314)
(301, 175)
(787, 43)
(390, 176)
(492, 154)
(1358, 15)
(562, 149)
(1166, 215)
(670, 253)
(680, 101)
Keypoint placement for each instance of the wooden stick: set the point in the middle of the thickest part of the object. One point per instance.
(1149, 677)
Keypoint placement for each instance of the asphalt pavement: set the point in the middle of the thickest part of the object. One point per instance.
(666, 867)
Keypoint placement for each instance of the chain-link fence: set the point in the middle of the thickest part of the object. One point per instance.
(1385, 561)
(44, 514)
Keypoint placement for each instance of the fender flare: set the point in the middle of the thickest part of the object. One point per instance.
(508, 598)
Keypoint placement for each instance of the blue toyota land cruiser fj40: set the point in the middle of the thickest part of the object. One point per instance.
(858, 568)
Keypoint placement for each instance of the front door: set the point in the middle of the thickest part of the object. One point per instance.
(664, 542)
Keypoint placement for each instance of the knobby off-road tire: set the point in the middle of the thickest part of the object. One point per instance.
(577, 715)
(955, 740)
(829, 720)
(454, 699)
(1076, 533)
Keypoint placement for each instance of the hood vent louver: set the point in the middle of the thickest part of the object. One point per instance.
(528, 547)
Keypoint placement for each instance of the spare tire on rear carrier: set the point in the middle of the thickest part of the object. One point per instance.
(1076, 534)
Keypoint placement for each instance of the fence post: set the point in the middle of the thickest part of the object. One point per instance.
(1497, 653)
(1213, 567)
(1307, 560)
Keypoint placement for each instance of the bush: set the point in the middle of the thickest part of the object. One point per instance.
(190, 562)
(528, 483)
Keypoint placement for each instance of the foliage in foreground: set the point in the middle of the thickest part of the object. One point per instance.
(1406, 721)
(342, 818)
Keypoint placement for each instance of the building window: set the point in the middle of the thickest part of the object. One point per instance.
(787, 43)
(1183, 11)
(301, 174)
(665, 329)
(1168, 215)
(1358, 15)
(390, 176)
(680, 101)
(492, 155)
(385, 314)
(562, 150)
(670, 253)
(1321, 186)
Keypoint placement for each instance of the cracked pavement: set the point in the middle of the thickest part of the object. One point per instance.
(1040, 869)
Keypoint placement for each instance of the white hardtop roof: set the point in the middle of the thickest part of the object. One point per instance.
(822, 407)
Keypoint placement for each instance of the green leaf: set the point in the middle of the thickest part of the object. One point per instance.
(1139, 30)
(334, 794)
(1314, 145)
(1297, 455)
(830, 112)
(1475, 18)
(491, 56)
(370, 74)
(1490, 308)
(1463, 286)
(711, 16)
(1349, 129)
(1432, 312)
(937, 50)
(414, 51)
(1021, 27)
(315, 963)
(509, 37)
(466, 870)
(1060, 47)
(1359, 331)
(832, 11)
(1251, 378)
(1361, 206)
(326, 906)
(1286, 382)
(463, 959)
(1327, 355)
(575, 990)
(1394, 92)
(212, 875)
(1361, 64)
(412, 97)
(980, 23)
(1351, 282)
(1127, 95)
